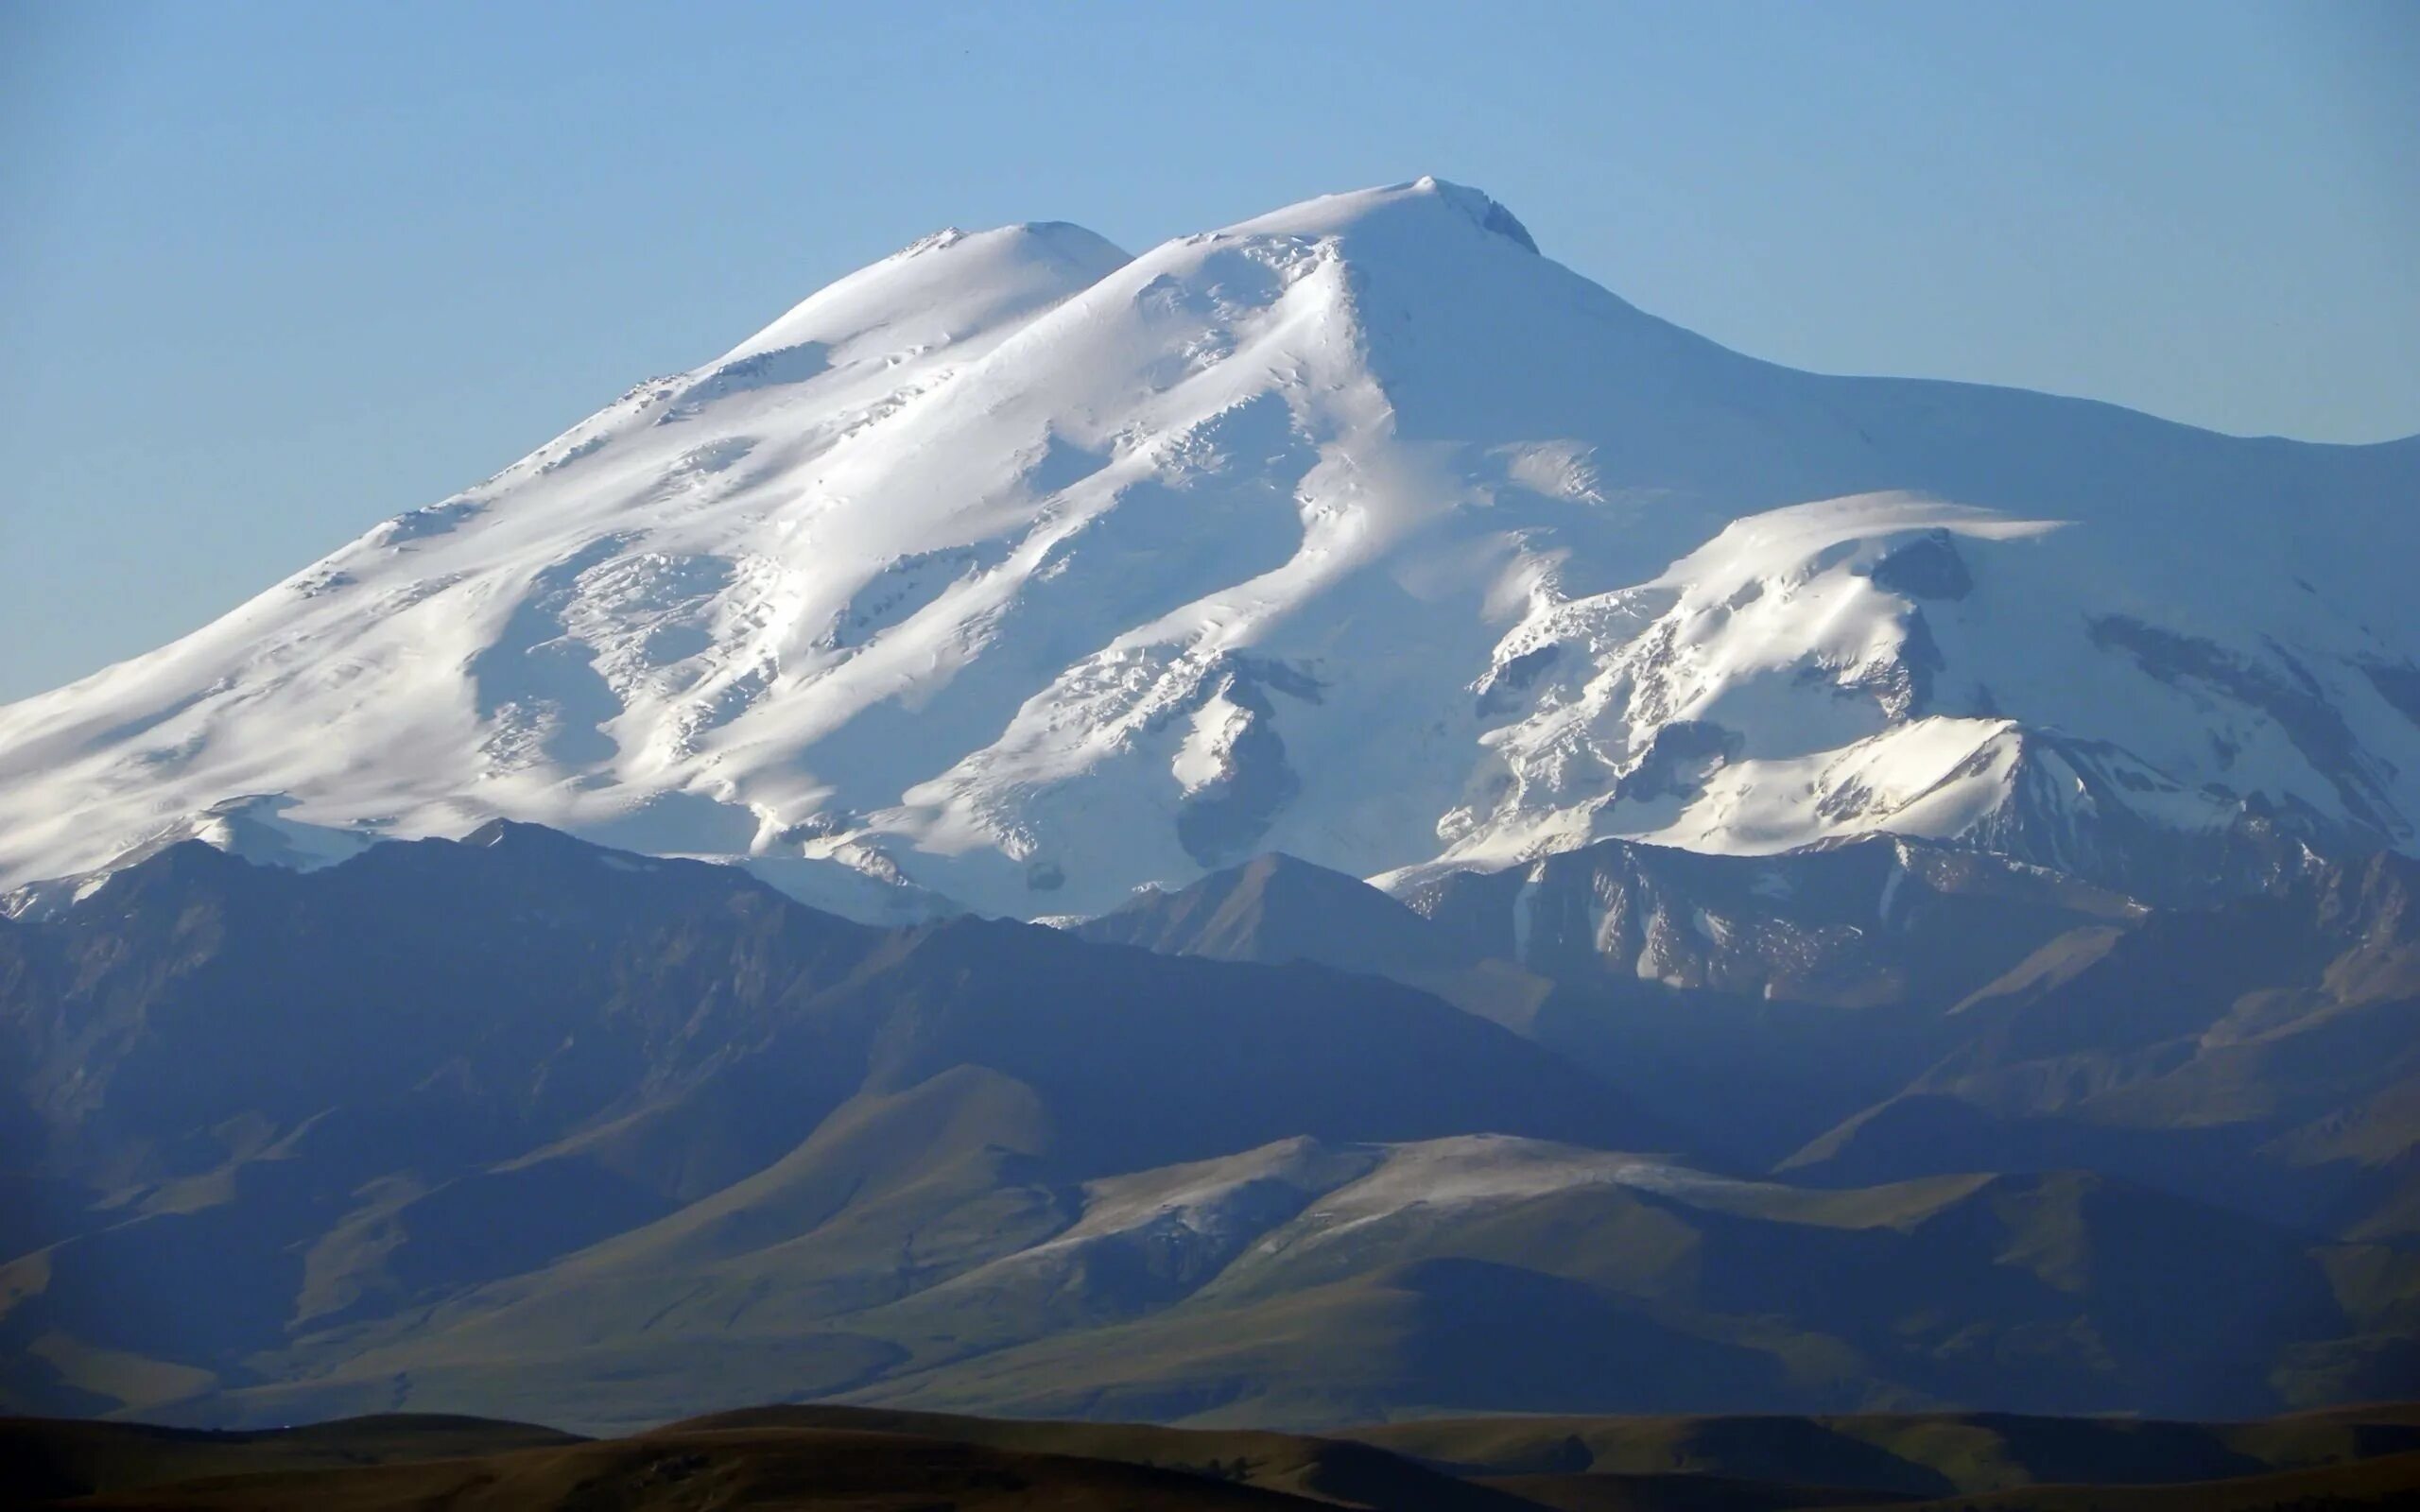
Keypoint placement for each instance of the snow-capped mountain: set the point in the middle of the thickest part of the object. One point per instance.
(1023, 572)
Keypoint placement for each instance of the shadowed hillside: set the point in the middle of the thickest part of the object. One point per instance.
(526, 1128)
(853, 1458)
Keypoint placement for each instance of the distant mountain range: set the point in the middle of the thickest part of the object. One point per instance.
(1013, 573)
(526, 1126)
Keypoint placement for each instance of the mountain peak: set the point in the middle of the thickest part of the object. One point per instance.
(1021, 572)
(1412, 206)
(1276, 908)
(942, 289)
(1491, 215)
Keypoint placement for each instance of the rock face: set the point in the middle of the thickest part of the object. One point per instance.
(1868, 922)
(1859, 923)
(1016, 572)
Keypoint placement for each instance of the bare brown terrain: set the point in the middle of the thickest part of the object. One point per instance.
(868, 1460)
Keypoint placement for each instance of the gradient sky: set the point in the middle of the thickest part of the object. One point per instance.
(269, 272)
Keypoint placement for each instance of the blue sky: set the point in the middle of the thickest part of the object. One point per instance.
(269, 272)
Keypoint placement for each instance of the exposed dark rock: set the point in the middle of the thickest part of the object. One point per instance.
(1927, 567)
(1676, 762)
(2295, 702)
(1857, 922)
(1223, 821)
(2398, 683)
(1507, 224)
(1500, 693)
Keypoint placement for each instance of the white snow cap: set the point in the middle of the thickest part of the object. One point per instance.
(1016, 572)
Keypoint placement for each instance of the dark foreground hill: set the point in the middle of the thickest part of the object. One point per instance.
(861, 1459)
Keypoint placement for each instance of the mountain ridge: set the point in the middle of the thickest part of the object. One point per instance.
(521, 1121)
(1013, 572)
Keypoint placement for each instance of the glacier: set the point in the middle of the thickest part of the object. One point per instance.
(1013, 573)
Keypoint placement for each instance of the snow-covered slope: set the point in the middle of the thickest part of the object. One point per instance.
(1026, 573)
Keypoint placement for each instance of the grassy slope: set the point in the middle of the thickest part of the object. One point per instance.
(1722, 1294)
